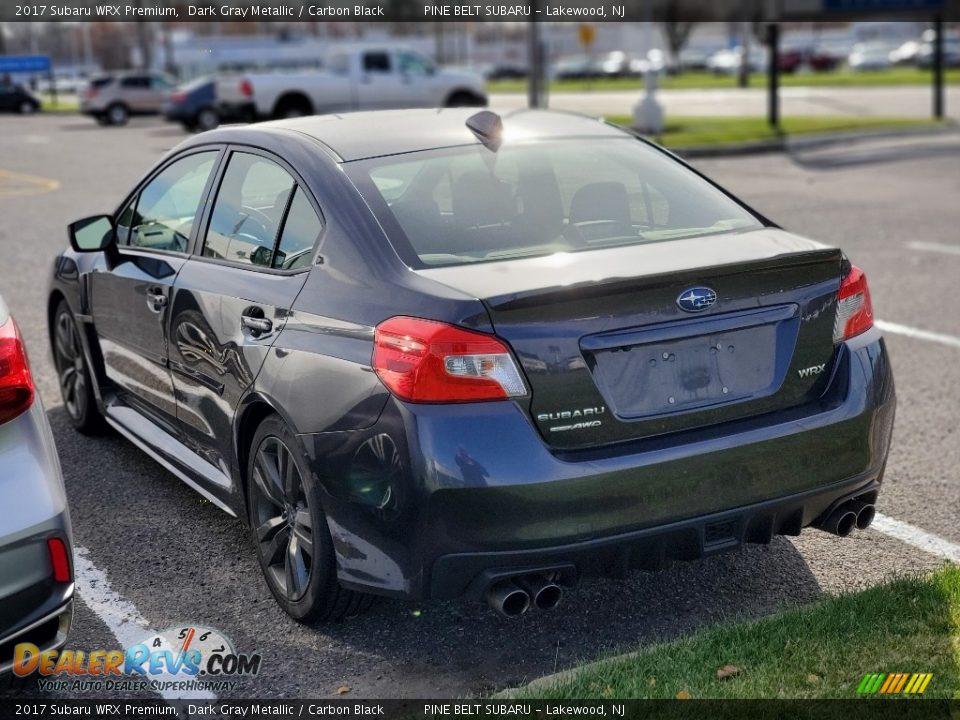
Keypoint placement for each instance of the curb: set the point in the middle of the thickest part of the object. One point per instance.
(813, 141)
(546, 681)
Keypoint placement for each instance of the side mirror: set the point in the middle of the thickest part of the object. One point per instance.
(92, 234)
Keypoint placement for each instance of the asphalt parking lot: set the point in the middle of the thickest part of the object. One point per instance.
(156, 553)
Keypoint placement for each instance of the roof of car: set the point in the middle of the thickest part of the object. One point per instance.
(360, 135)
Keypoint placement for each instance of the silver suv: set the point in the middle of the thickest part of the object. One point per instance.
(112, 99)
(36, 550)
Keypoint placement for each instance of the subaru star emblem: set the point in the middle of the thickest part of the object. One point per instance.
(696, 299)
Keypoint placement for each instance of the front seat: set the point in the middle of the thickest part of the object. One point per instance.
(601, 201)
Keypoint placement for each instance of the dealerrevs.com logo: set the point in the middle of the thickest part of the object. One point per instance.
(185, 659)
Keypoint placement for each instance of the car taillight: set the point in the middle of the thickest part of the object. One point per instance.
(854, 308)
(16, 384)
(246, 89)
(91, 93)
(178, 97)
(432, 362)
(59, 560)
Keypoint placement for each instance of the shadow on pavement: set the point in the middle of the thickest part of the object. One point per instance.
(871, 153)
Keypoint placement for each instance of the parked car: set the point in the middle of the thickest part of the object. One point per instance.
(951, 53)
(807, 57)
(17, 98)
(870, 56)
(356, 77)
(112, 99)
(695, 56)
(727, 62)
(576, 67)
(439, 353)
(36, 566)
(194, 105)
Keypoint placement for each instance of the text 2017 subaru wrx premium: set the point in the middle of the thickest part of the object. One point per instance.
(440, 354)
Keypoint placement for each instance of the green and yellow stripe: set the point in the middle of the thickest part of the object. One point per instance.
(894, 683)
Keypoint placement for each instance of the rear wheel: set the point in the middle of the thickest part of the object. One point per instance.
(76, 386)
(207, 119)
(27, 108)
(464, 99)
(117, 114)
(290, 530)
(293, 106)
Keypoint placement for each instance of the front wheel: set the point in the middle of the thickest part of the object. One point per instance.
(76, 384)
(290, 530)
(27, 108)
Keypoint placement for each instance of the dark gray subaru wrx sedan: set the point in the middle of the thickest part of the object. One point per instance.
(441, 354)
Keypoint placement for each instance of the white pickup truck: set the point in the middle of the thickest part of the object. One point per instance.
(352, 78)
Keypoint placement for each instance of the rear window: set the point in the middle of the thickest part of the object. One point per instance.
(469, 204)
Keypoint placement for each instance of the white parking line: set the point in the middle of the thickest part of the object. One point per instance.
(935, 247)
(912, 535)
(119, 614)
(908, 331)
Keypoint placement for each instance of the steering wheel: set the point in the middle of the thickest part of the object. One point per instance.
(256, 217)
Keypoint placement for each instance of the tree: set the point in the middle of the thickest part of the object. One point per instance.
(676, 32)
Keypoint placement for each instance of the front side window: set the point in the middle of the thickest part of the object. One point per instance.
(247, 213)
(414, 64)
(161, 216)
(462, 205)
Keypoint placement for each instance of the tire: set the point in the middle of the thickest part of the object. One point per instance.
(118, 114)
(101, 119)
(206, 119)
(27, 108)
(290, 532)
(188, 126)
(73, 373)
(292, 107)
(464, 99)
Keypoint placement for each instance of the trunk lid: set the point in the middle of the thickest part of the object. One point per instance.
(610, 355)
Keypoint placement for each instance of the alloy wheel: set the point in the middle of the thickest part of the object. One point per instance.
(70, 368)
(283, 523)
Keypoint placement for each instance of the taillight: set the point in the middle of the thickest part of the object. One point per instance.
(433, 362)
(854, 308)
(59, 560)
(246, 89)
(16, 385)
(91, 93)
(178, 97)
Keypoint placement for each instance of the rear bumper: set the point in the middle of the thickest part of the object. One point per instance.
(463, 492)
(33, 607)
(238, 111)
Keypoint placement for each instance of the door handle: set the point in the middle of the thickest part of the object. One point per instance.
(256, 325)
(156, 299)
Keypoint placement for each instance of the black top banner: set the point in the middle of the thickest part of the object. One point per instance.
(591, 11)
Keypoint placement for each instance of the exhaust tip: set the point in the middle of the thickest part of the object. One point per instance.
(865, 516)
(508, 599)
(548, 597)
(846, 523)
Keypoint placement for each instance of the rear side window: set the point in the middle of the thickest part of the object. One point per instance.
(248, 211)
(378, 62)
(300, 232)
(250, 206)
(161, 216)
